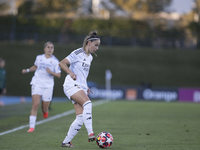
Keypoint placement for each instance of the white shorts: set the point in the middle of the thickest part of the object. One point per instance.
(71, 88)
(45, 92)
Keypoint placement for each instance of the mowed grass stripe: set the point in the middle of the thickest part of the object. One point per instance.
(52, 118)
(138, 125)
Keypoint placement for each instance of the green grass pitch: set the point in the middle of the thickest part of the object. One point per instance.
(135, 125)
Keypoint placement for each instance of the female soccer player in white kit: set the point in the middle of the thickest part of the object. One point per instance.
(75, 86)
(46, 68)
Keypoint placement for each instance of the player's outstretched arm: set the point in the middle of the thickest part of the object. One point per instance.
(31, 69)
(57, 75)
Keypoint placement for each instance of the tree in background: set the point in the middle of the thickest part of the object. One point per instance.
(25, 8)
(56, 16)
(195, 25)
(8, 7)
(148, 6)
(4, 6)
(46, 6)
(59, 6)
(197, 9)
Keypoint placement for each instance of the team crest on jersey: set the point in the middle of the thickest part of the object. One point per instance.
(77, 86)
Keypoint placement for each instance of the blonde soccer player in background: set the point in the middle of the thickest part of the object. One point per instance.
(46, 68)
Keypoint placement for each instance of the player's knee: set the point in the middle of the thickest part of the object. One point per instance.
(88, 103)
(35, 106)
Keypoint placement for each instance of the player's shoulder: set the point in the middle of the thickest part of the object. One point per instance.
(40, 56)
(54, 58)
(78, 51)
(91, 56)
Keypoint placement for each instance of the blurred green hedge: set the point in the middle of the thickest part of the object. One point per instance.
(113, 27)
(129, 66)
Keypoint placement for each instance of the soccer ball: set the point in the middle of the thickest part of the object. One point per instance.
(104, 139)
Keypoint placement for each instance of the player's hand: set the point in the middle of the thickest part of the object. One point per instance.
(48, 70)
(24, 71)
(73, 76)
(89, 91)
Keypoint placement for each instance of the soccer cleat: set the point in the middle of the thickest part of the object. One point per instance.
(45, 114)
(31, 130)
(91, 137)
(67, 145)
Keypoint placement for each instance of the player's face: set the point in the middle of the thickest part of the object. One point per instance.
(49, 49)
(93, 46)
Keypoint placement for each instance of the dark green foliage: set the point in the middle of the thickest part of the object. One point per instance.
(25, 8)
(120, 28)
(113, 27)
(148, 6)
(129, 66)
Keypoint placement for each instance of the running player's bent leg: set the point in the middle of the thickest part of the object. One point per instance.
(74, 128)
(45, 106)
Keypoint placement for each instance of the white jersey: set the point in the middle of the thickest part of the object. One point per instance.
(41, 77)
(80, 65)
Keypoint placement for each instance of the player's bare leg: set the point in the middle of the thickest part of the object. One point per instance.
(35, 104)
(80, 97)
(33, 115)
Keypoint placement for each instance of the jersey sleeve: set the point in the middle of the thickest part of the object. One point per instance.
(36, 61)
(72, 58)
(57, 68)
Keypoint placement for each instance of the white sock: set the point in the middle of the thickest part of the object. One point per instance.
(32, 120)
(87, 116)
(74, 128)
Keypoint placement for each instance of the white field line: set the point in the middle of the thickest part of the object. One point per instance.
(53, 117)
